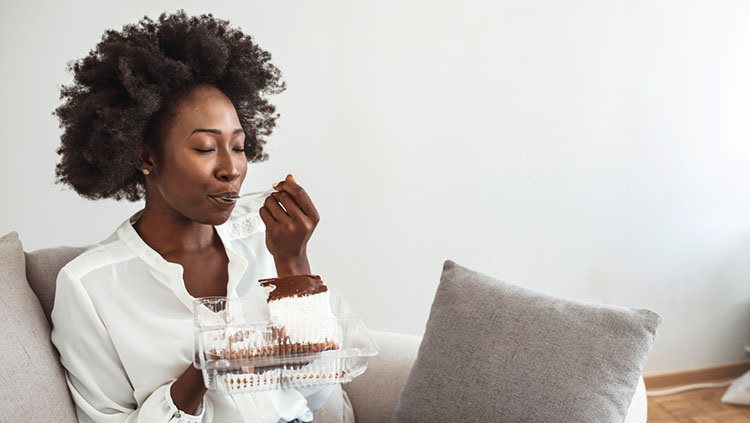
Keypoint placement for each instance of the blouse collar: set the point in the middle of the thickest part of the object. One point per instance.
(174, 271)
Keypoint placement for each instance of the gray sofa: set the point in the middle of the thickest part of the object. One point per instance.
(34, 387)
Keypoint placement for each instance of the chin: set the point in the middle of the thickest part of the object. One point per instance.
(212, 217)
(216, 218)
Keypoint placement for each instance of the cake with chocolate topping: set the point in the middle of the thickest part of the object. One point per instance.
(300, 319)
(299, 308)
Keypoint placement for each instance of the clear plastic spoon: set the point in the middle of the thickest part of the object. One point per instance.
(257, 193)
(253, 200)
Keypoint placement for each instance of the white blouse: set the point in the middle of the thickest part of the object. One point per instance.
(123, 324)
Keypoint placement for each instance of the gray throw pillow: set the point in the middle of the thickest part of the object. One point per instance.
(496, 352)
(33, 388)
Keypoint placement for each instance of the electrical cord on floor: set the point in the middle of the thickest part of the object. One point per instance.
(678, 389)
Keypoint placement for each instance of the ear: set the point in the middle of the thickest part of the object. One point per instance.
(147, 162)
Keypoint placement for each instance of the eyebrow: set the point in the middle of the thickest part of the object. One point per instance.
(215, 131)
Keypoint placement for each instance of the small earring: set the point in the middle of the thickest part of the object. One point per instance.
(145, 171)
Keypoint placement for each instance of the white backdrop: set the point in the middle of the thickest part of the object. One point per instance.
(596, 150)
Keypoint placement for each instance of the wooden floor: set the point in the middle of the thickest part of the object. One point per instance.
(701, 405)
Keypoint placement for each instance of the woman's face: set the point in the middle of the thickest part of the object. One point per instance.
(202, 156)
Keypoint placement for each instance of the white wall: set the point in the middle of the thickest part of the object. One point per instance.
(591, 149)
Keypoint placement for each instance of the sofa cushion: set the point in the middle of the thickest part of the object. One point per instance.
(33, 388)
(497, 352)
(42, 267)
(375, 393)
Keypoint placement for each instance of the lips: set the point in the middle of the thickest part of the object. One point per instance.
(226, 195)
(223, 202)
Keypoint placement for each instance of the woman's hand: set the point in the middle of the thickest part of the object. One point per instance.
(287, 232)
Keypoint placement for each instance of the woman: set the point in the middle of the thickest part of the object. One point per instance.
(171, 112)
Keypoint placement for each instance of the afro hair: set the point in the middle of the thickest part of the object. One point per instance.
(130, 83)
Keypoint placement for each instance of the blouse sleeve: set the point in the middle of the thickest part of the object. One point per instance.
(316, 396)
(95, 376)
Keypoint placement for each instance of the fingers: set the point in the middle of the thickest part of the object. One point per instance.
(306, 206)
(292, 209)
(274, 209)
(266, 216)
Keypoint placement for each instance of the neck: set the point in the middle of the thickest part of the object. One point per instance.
(171, 234)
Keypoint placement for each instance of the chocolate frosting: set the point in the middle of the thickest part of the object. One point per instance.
(294, 286)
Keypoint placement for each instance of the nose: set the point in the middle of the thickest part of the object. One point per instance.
(228, 167)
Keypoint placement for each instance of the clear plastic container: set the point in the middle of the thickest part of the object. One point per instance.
(237, 355)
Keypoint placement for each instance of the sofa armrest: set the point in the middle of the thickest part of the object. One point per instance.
(375, 393)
